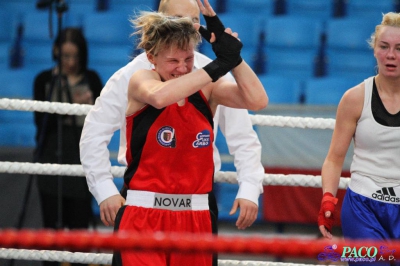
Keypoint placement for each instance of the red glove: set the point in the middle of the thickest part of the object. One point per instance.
(328, 203)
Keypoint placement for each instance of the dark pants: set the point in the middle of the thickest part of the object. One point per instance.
(76, 214)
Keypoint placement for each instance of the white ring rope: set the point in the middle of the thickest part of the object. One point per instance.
(295, 122)
(83, 109)
(92, 258)
(43, 106)
(118, 171)
(53, 255)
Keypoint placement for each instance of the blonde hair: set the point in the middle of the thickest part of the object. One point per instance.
(389, 19)
(158, 31)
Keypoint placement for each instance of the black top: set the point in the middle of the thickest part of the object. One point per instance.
(47, 141)
(381, 115)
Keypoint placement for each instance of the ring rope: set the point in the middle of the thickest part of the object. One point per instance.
(44, 106)
(54, 255)
(105, 259)
(118, 171)
(294, 122)
(80, 240)
(76, 170)
(83, 109)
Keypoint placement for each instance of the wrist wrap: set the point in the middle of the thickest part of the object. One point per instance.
(328, 203)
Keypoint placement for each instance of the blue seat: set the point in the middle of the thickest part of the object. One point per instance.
(36, 27)
(129, 7)
(293, 63)
(5, 29)
(81, 6)
(311, 8)
(73, 19)
(18, 8)
(107, 28)
(369, 9)
(281, 90)
(292, 44)
(347, 48)
(12, 116)
(4, 55)
(256, 7)
(113, 54)
(350, 63)
(327, 90)
(349, 33)
(247, 26)
(17, 83)
(293, 32)
(17, 134)
(39, 56)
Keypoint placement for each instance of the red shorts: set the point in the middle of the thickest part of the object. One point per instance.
(143, 219)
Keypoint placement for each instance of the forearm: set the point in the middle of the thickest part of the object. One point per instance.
(331, 173)
(249, 169)
(105, 117)
(250, 87)
(95, 159)
(147, 87)
(175, 90)
(244, 145)
(249, 191)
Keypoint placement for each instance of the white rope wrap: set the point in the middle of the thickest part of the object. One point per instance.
(51, 169)
(48, 107)
(53, 255)
(83, 109)
(295, 122)
(92, 258)
(118, 171)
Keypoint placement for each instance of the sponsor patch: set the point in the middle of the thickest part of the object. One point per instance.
(166, 137)
(172, 202)
(203, 139)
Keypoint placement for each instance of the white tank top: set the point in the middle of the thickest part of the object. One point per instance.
(376, 147)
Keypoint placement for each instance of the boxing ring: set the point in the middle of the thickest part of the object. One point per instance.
(50, 245)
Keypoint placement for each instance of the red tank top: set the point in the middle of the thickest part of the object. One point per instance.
(170, 150)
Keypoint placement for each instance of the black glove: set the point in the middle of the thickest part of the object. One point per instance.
(215, 25)
(226, 48)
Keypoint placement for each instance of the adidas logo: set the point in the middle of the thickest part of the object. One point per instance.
(386, 194)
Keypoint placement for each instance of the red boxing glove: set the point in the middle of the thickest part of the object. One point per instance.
(328, 203)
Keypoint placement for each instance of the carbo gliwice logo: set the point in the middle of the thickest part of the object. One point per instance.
(166, 137)
(203, 139)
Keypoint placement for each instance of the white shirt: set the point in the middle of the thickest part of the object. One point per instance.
(376, 147)
(108, 115)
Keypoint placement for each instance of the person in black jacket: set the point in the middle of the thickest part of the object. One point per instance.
(66, 200)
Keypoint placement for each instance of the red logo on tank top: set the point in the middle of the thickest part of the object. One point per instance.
(202, 139)
(166, 137)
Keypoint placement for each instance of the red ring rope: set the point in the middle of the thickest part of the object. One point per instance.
(85, 240)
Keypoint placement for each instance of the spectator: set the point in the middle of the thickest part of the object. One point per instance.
(74, 83)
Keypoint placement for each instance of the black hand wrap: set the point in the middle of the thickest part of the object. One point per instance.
(226, 48)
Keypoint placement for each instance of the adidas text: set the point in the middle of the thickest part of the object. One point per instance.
(385, 197)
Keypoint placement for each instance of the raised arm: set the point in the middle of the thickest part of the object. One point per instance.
(248, 91)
